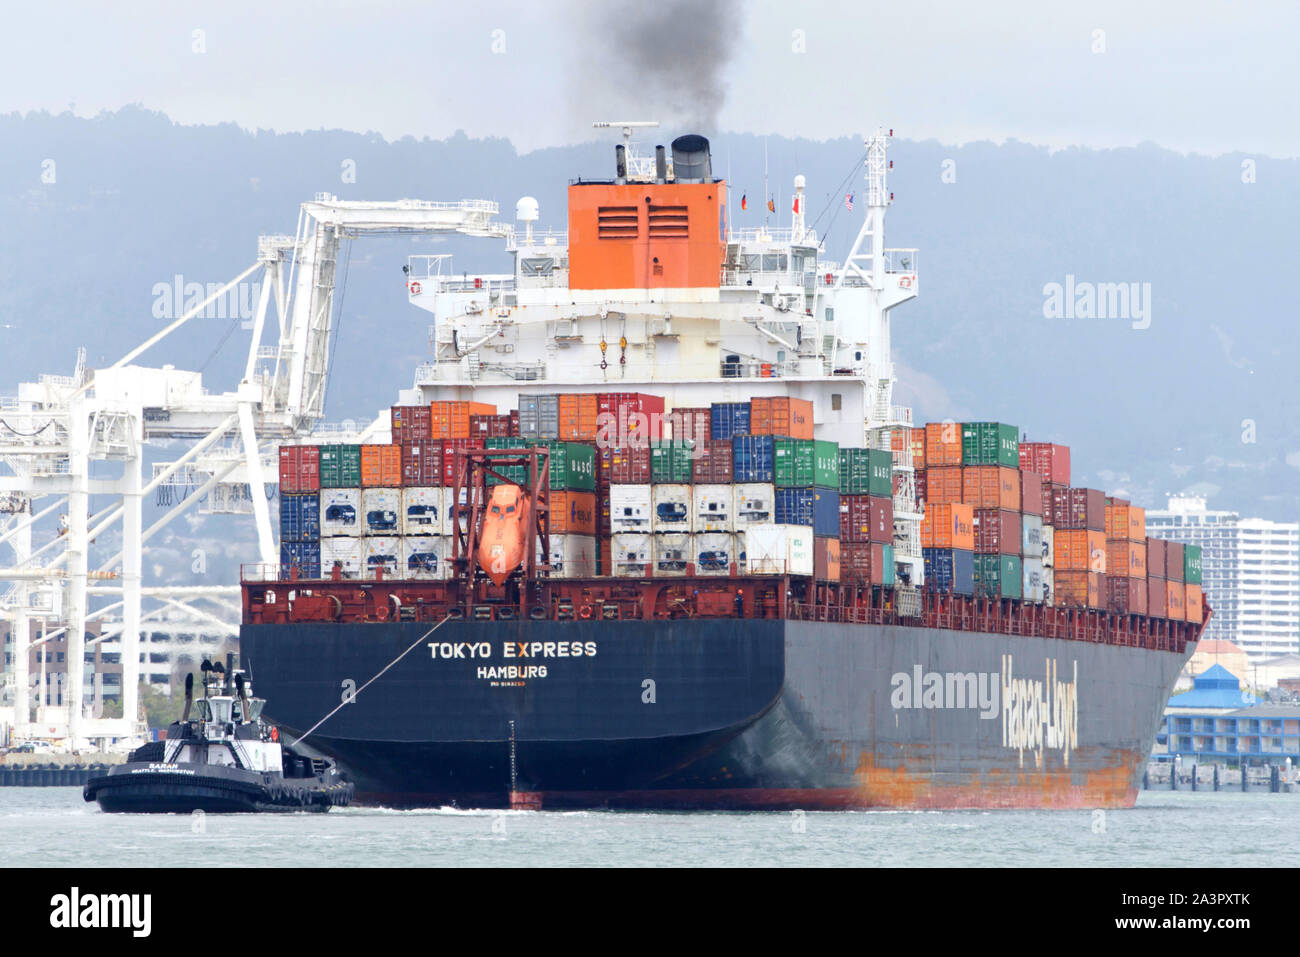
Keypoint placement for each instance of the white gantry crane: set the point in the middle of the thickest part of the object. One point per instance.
(74, 451)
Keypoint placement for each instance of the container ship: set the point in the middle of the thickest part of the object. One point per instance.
(651, 532)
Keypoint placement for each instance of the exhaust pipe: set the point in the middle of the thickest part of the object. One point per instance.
(243, 695)
(661, 165)
(189, 695)
(620, 164)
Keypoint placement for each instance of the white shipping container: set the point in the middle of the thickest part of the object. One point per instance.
(1049, 542)
(1031, 536)
(344, 550)
(381, 551)
(1032, 575)
(572, 556)
(631, 554)
(422, 511)
(340, 512)
(1049, 587)
(715, 552)
(711, 507)
(755, 504)
(381, 510)
(779, 549)
(672, 508)
(426, 557)
(449, 519)
(629, 508)
(672, 553)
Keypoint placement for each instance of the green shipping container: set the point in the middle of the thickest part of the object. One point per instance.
(1192, 564)
(514, 473)
(887, 560)
(670, 462)
(990, 443)
(855, 472)
(573, 465)
(882, 473)
(999, 576)
(792, 462)
(826, 465)
(340, 466)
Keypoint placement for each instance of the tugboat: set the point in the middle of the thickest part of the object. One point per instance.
(225, 759)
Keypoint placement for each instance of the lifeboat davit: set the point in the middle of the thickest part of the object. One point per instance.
(505, 530)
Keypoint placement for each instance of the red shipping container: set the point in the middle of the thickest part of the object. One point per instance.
(855, 518)
(422, 463)
(514, 424)
(997, 531)
(1126, 596)
(713, 462)
(1049, 460)
(826, 559)
(634, 413)
(862, 561)
(630, 466)
(690, 423)
(410, 423)
(449, 447)
(1079, 508)
(491, 427)
(1157, 597)
(1031, 493)
(1174, 562)
(990, 486)
(1049, 498)
(882, 520)
(299, 468)
(922, 485)
(943, 485)
(1156, 557)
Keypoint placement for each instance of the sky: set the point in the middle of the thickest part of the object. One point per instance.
(1194, 76)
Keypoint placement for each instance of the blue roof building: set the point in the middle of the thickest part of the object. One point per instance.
(1217, 721)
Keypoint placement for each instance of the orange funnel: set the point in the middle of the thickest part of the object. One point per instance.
(505, 527)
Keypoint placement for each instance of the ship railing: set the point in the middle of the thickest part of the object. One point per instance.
(259, 572)
(757, 369)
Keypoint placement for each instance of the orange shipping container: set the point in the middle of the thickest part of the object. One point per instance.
(991, 486)
(1126, 523)
(573, 513)
(781, 415)
(1077, 589)
(943, 443)
(1079, 550)
(1195, 603)
(450, 420)
(949, 526)
(381, 466)
(578, 417)
(943, 485)
(909, 440)
(1126, 559)
(1176, 601)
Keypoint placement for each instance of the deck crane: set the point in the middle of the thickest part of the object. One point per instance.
(55, 428)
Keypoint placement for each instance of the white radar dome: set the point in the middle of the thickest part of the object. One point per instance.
(526, 210)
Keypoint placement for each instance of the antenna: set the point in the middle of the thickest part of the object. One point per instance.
(627, 125)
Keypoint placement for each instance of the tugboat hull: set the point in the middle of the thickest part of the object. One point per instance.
(149, 788)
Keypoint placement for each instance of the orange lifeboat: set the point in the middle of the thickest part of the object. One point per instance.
(505, 530)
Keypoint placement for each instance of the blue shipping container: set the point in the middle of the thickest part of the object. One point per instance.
(728, 420)
(300, 518)
(753, 458)
(815, 507)
(949, 570)
(305, 556)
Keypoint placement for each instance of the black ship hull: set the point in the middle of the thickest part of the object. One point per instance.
(154, 788)
(718, 713)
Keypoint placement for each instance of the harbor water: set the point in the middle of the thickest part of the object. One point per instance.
(54, 827)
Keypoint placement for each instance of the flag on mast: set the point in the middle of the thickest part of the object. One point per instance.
(743, 205)
(848, 202)
(771, 206)
(796, 205)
